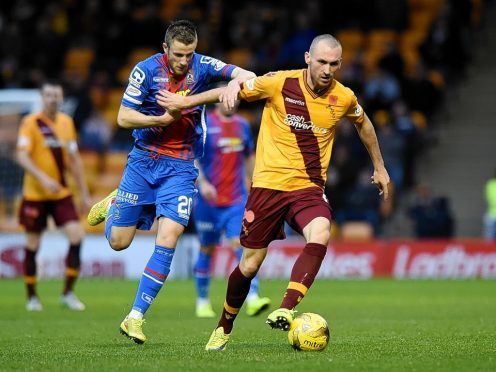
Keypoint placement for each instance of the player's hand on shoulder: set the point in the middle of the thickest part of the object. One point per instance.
(170, 101)
(230, 94)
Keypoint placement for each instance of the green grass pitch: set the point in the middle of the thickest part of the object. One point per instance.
(377, 325)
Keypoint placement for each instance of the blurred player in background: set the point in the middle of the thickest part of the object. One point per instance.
(46, 149)
(490, 217)
(159, 178)
(225, 171)
(293, 152)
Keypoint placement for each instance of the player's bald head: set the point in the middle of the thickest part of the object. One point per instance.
(325, 39)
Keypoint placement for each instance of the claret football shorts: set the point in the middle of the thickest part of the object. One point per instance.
(267, 209)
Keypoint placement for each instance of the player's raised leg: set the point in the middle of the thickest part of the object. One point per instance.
(98, 211)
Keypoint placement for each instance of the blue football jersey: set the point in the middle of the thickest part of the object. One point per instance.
(229, 143)
(185, 138)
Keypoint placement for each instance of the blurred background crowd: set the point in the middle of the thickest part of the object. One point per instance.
(401, 58)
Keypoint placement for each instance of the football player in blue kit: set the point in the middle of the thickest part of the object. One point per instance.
(159, 178)
(225, 171)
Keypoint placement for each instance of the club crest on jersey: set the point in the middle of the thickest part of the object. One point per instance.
(333, 100)
(331, 110)
(190, 78)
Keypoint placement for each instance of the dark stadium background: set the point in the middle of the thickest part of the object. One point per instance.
(407, 61)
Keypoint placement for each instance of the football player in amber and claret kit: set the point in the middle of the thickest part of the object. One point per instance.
(293, 152)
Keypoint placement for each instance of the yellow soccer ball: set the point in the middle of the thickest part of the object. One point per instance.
(309, 332)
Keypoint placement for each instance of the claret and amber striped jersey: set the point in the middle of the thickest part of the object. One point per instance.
(48, 144)
(297, 129)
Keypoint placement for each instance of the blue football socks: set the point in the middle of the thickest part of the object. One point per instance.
(202, 274)
(153, 277)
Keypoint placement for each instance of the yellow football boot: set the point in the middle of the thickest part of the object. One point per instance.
(98, 211)
(218, 340)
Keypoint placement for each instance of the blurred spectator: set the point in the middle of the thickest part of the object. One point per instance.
(258, 35)
(414, 140)
(96, 133)
(10, 182)
(490, 217)
(420, 93)
(362, 203)
(381, 91)
(392, 147)
(393, 62)
(432, 216)
(447, 46)
(296, 45)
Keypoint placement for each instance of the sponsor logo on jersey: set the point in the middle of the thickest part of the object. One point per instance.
(52, 142)
(218, 65)
(205, 226)
(183, 93)
(133, 91)
(127, 197)
(137, 77)
(160, 79)
(294, 101)
(298, 122)
(229, 145)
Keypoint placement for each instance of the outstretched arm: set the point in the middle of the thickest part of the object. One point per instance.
(132, 119)
(367, 135)
(173, 101)
(230, 94)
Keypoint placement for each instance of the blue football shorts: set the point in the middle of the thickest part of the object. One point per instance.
(212, 221)
(152, 187)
